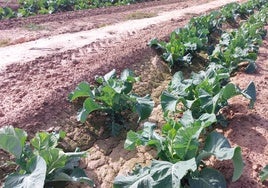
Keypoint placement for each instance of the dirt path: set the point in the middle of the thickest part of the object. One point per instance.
(102, 37)
(41, 73)
(26, 29)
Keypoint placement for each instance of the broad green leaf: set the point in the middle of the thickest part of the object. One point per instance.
(229, 91)
(168, 102)
(177, 78)
(144, 107)
(140, 178)
(133, 139)
(73, 160)
(250, 93)
(109, 96)
(186, 142)
(12, 140)
(238, 164)
(128, 76)
(166, 174)
(117, 86)
(153, 42)
(178, 85)
(55, 158)
(143, 137)
(35, 179)
(187, 118)
(82, 90)
(205, 101)
(251, 68)
(207, 178)
(264, 173)
(62, 134)
(77, 175)
(159, 174)
(109, 75)
(82, 115)
(44, 141)
(217, 145)
(89, 106)
(207, 119)
(127, 88)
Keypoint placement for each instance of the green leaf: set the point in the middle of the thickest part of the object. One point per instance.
(251, 68)
(89, 106)
(77, 175)
(207, 178)
(264, 173)
(140, 178)
(159, 174)
(62, 134)
(129, 76)
(178, 85)
(217, 145)
(55, 158)
(166, 174)
(250, 93)
(12, 140)
(229, 91)
(186, 141)
(82, 115)
(144, 107)
(207, 119)
(35, 179)
(82, 90)
(133, 139)
(109, 96)
(187, 118)
(153, 42)
(143, 137)
(238, 164)
(168, 102)
(44, 141)
(109, 75)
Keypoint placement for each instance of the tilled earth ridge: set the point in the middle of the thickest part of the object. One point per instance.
(27, 29)
(36, 94)
(248, 128)
(99, 37)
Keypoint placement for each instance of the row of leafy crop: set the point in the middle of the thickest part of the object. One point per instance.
(33, 7)
(183, 144)
(201, 33)
(40, 163)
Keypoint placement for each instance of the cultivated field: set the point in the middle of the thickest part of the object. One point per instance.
(45, 57)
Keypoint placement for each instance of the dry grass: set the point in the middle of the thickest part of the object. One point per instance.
(140, 15)
(4, 42)
(34, 27)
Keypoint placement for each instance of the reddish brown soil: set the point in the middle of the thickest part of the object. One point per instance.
(26, 29)
(34, 95)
